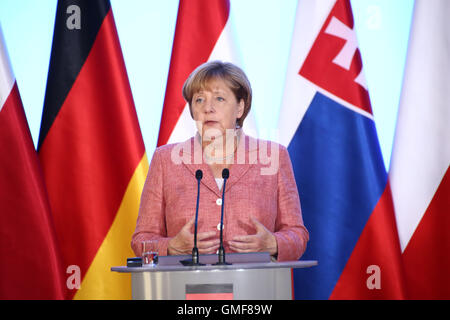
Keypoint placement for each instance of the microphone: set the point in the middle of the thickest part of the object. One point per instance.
(221, 254)
(195, 260)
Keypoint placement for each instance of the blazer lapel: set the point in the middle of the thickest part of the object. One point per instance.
(245, 157)
(193, 160)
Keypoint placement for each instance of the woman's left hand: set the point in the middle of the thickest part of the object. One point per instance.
(262, 241)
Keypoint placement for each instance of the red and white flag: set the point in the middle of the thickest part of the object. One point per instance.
(419, 173)
(30, 263)
(197, 40)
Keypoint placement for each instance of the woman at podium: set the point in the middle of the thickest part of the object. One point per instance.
(261, 207)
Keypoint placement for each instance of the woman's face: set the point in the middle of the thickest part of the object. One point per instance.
(216, 107)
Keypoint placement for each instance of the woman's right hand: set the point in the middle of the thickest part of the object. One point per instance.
(183, 242)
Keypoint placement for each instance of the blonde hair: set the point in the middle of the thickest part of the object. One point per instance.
(232, 75)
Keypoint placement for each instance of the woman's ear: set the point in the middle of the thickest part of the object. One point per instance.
(241, 108)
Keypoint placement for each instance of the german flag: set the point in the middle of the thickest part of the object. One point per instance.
(91, 150)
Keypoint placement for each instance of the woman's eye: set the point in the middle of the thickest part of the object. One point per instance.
(220, 99)
(199, 100)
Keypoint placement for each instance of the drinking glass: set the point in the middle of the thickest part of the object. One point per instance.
(149, 253)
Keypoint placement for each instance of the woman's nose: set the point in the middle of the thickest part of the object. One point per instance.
(209, 106)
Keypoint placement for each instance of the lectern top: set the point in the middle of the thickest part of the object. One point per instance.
(209, 267)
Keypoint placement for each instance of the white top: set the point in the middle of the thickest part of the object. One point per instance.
(219, 182)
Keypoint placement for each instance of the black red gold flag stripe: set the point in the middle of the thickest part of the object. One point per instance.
(91, 148)
(70, 49)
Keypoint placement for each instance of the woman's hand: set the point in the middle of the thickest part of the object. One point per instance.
(262, 241)
(183, 242)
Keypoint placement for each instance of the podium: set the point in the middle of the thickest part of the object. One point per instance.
(251, 276)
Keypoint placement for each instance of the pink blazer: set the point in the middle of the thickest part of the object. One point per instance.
(267, 192)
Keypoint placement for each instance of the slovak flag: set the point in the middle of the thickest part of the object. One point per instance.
(197, 40)
(327, 124)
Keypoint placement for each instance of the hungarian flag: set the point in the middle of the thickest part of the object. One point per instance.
(30, 266)
(91, 150)
(419, 172)
(327, 123)
(203, 32)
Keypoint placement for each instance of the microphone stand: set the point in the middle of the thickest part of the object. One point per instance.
(221, 253)
(195, 257)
